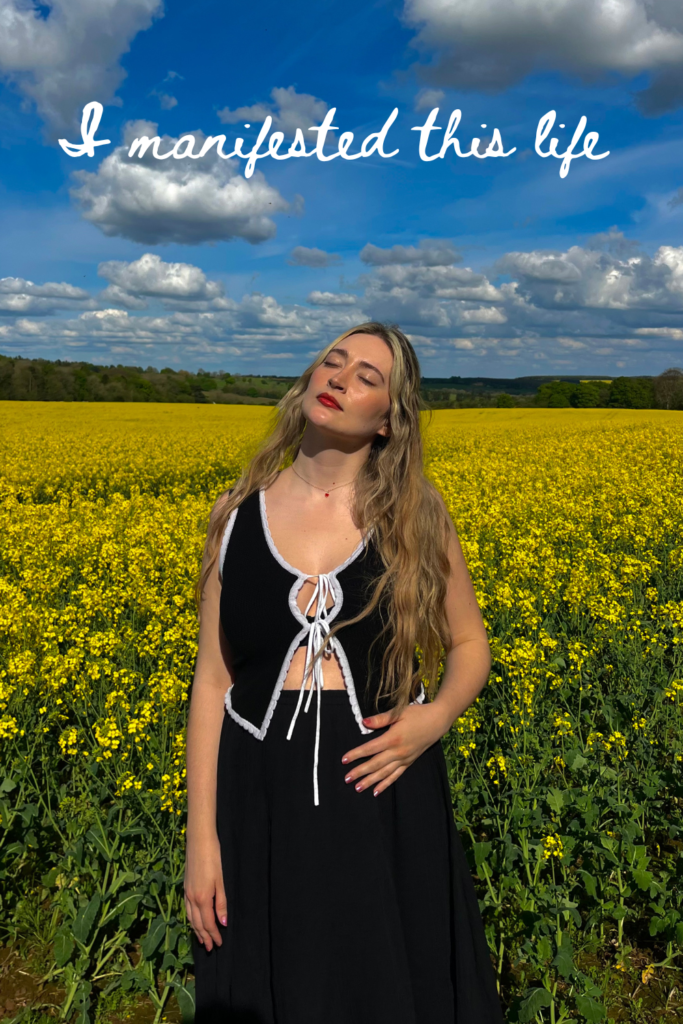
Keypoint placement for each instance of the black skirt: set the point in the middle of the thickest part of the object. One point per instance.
(361, 910)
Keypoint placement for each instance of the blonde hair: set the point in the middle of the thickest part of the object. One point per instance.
(393, 497)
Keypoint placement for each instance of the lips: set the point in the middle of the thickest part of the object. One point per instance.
(328, 400)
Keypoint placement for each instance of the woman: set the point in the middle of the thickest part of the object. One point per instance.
(325, 882)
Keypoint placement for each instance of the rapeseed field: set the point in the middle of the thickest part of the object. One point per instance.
(566, 772)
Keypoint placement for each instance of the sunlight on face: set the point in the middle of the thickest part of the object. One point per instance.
(348, 394)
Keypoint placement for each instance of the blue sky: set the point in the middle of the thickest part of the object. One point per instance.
(497, 267)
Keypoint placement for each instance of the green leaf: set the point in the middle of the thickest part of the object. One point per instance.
(63, 947)
(48, 879)
(563, 960)
(555, 798)
(170, 960)
(591, 1009)
(97, 842)
(575, 760)
(82, 1000)
(7, 785)
(545, 949)
(86, 918)
(186, 1002)
(153, 937)
(481, 852)
(137, 979)
(589, 882)
(536, 999)
(642, 878)
(126, 906)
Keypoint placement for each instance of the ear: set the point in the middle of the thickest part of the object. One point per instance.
(385, 430)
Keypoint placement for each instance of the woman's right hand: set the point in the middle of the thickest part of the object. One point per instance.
(204, 890)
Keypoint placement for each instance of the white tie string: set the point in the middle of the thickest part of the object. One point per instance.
(317, 632)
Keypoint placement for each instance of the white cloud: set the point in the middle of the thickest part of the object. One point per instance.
(430, 252)
(489, 44)
(183, 201)
(591, 278)
(483, 315)
(427, 99)
(564, 309)
(151, 277)
(19, 296)
(302, 256)
(62, 55)
(317, 298)
(674, 333)
(290, 110)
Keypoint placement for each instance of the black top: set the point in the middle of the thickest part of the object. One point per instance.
(264, 625)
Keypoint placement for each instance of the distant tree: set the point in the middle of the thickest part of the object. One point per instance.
(669, 388)
(505, 401)
(590, 395)
(632, 393)
(555, 394)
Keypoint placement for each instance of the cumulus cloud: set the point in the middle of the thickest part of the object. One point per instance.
(429, 252)
(317, 298)
(61, 55)
(301, 256)
(183, 201)
(151, 277)
(587, 278)
(490, 44)
(606, 300)
(257, 325)
(19, 297)
(290, 110)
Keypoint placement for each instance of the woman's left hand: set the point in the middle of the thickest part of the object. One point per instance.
(409, 735)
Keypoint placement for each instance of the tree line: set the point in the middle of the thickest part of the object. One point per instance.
(62, 381)
(662, 392)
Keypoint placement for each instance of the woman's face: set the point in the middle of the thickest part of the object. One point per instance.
(348, 394)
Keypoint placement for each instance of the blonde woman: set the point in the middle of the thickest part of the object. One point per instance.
(325, 882)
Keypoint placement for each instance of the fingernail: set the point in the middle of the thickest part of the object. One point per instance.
(345, 760)
(347, 779)
(376, 793)
(359, 787)
(224, 920)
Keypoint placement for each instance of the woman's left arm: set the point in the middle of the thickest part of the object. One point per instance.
(466, 672)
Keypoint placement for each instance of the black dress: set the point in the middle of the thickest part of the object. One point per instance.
(343, 908)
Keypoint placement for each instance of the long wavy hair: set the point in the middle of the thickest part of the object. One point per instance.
(392, 497)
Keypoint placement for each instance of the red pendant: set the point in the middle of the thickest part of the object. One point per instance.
(326, 494)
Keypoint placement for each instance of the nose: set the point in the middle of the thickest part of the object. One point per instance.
(338, 380)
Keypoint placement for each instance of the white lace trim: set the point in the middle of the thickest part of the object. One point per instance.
(224, 542)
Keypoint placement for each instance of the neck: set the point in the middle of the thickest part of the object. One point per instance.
(326, 464)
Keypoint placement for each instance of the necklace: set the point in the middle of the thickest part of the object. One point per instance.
(326, 490)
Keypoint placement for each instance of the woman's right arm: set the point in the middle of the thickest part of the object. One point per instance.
(205, 898)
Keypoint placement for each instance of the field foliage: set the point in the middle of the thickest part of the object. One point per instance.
(566, 772)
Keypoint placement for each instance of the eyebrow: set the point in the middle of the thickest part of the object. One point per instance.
(370, 366)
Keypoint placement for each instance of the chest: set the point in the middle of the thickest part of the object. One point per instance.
(313, 538)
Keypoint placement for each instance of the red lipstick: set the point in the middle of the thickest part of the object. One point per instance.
(325, 399)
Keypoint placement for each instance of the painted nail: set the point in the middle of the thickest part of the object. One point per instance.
(345, 760)
(359, 787)
(376, 793)
(224, 921)
(347, 779)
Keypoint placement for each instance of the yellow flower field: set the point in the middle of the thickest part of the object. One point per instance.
(565, 773)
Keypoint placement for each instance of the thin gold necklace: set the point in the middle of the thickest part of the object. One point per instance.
(326, 490)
